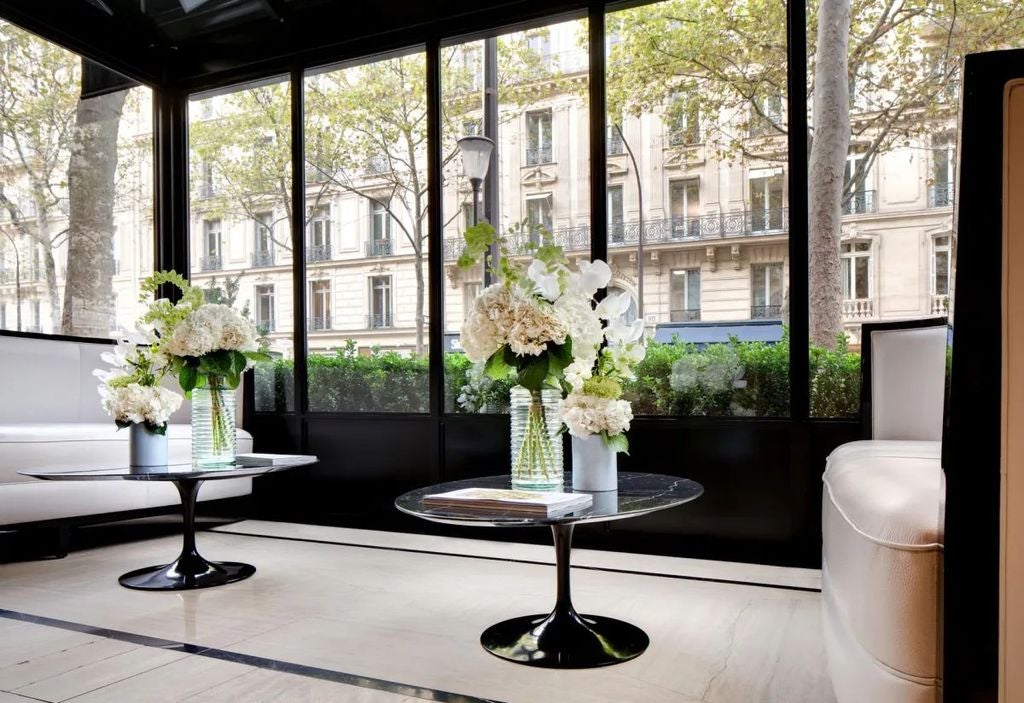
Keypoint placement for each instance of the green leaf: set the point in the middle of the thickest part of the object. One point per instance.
(532, 377)
(496, 367)
(188, 377)
(617, 443)
(560, 355)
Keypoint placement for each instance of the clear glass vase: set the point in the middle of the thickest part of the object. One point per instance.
(536, 438)
(213, 424)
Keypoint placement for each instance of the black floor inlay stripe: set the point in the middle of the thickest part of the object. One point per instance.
(632, 572)
(427, 694)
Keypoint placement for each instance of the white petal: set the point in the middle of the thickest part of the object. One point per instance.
(614, 306)
(595, 274)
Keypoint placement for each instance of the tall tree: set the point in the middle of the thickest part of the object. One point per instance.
(726, 62)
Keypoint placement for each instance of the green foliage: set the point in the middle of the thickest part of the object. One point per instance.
(344, 381)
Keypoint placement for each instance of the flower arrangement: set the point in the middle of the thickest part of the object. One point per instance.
(131, 390)
(541, 323)
(203, 342)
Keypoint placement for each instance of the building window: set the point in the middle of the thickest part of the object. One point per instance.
(684, 121)
(766, 291)
(941, 266)
(538, 138)
(380, 229)
(470, 291)
(940, 192)
(473, 66)
(265, 308)
(766, 214)
(319, 305)
(467, 215)
(684, 200)
(380, 302)
(319, 246)
(37, 316)
(613, 139)
(263, 240)
(766, 116)
(856, 270)
(684, 295)
(540, 45)
(538, 215)
(616, 228)
(207, 187)
(861, 200)
(211, 258)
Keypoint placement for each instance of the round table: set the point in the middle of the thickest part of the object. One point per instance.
(563, 639)
(190, 570)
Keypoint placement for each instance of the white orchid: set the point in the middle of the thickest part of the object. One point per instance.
(619, 331)
(546, 282)
(594, 275)
(614, 306)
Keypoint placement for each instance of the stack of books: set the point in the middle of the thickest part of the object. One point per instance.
(497, 501)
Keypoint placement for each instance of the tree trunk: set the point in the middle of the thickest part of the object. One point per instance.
(420, 297)
(43, 241)
(831, 120)
(89, 295)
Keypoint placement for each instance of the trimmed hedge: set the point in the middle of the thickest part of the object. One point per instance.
(735, 379)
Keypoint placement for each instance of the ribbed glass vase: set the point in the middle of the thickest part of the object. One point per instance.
(213, 424)
(536, 438)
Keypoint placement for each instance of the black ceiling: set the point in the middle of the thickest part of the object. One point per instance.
(197, 44)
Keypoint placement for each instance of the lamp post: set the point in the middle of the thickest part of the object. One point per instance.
(476, 160)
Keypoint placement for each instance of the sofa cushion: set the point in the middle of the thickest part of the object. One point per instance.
(882, 523)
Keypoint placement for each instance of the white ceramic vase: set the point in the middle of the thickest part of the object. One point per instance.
(594, 465)
(146, 448)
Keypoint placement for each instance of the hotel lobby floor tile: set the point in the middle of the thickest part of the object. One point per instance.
(389, 625)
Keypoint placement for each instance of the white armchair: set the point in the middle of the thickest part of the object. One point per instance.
(882, 522)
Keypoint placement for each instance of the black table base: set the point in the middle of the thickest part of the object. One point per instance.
(190, 570)
(564, 639)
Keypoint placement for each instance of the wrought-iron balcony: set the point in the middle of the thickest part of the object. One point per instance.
(861, 202)
(540, 155)
(858, 309)
(940, 305)
(940, 195)
(684, 315)
(380, 247)
(379, 321)
(765, 312)
(264, 327)
(319, 323)
(750, 223)
(262, 259)
(684, 137)
(210, 263)
(318, 252)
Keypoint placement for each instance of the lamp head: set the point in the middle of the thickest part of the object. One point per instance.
(476, 156)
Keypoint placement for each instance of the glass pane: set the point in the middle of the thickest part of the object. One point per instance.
(903, 124)
(942, 273)
(240, 224)
(76, 200)
(366, 137)
(542, 148)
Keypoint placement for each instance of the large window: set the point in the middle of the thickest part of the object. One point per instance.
(856, 268)
(366, 133)
(74, 169)
(538, 138)
(241, 218)
(698, 88)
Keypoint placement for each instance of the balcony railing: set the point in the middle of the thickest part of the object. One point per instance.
(379, 321)
(319, 323)
(940, 305)
(765, 312)
(29, 274)
(616, 145)
(858, 309)
(380, 247)
(537, 156)
(862, 202)
(940, 195)
(751, 223)
(264, 327)
(210, 263)
(262, 259)
(318, 252)
(684, 315)
(684, 137)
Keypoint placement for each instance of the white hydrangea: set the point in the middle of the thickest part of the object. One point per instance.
(583, 325)
(134, 403)
(213, 327)
(585, 415)
(514, 317)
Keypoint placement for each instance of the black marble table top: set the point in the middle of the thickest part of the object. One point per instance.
(170, 472)
(638, 494)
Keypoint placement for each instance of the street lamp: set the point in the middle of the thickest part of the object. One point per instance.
(476, 159)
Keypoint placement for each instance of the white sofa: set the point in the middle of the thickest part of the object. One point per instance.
(50, 415)
(882, 527)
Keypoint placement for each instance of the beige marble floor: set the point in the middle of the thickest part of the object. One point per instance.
(409, 617)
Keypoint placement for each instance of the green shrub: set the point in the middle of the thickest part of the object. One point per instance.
(734, 379)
